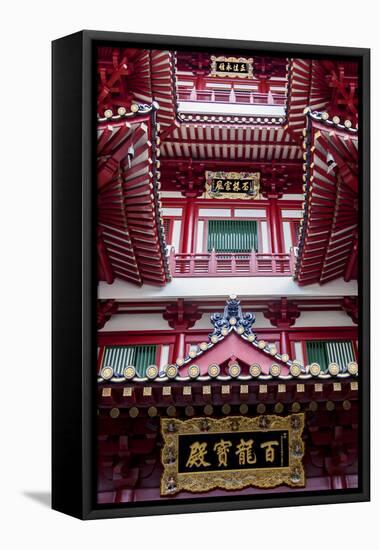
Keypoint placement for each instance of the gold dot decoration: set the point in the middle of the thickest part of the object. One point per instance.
(108, 113)
(296, 407)
(129, 372)
(333, 369)
(251, 337)
(352, 368)
(226, 408)
(261, 344)
(336, 119)
(347, 124)
(275, 369)
(180, 362)
(325, 115)
(346, 405)
(106, 373)
(133, 412)
(279, 408)
(224, 331)
(171, 410)
(313, 406)
(134, 108)
(244, 408)
(121, 111)
(213, 370)
(234, 370)
(295, 369)
(171, 371)
(240, 330)
(203, 346)
(273, 350)
(193, 353)
(152, 372)
(114, 413)
(285, 357)
(152, 412)
(189, 410)
(255, 370)
(193, 371)
(232, 321)
(208, 410)
(261, 408)
(330, 406)
(214, 338)
(314, 369)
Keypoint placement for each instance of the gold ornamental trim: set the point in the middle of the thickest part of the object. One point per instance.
(201, 454)
(232, 185)
(233, 67)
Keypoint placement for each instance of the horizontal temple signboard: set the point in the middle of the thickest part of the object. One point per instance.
(200, 454)
(232, 185)
(239, 67)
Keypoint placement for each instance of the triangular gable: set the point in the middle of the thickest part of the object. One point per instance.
(234, 344)
(234, 349)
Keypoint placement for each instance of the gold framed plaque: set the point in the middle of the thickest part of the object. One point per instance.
(232, 185)
(231, 453)
(240, 67)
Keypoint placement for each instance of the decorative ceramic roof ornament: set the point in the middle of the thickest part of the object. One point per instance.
(232, 318)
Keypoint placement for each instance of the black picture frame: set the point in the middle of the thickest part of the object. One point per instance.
(74, 281)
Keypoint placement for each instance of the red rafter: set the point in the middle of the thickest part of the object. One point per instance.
(331, 205)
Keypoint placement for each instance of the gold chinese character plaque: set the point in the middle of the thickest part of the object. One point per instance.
(232, 185)
(231, 453)
(239, 67)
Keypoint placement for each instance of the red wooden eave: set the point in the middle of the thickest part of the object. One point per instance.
(131, 243)
(327, 243)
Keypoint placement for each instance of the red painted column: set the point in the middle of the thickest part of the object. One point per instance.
(351, 265)
(283, 314)
(188, 227)
(200, 83)
(285, 345)
(263, 86)
(178, 351)
(180, 316)
(275, 226)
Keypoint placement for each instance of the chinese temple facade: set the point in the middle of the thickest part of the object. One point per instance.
(227, 258)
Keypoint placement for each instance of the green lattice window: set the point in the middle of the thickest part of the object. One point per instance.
(232, 235)
(119, 357)
(325, 352)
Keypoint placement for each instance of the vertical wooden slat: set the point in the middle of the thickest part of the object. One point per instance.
(232, 236)
(328, 351)
(119, 357)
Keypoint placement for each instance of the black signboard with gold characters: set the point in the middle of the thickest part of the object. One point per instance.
(240, 67)
(232, 185)
(201, 454)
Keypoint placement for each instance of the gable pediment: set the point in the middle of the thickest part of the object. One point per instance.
(233, 342)
(233, 348)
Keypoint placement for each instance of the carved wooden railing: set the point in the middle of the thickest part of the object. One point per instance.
(230, 96)
(222, 264)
